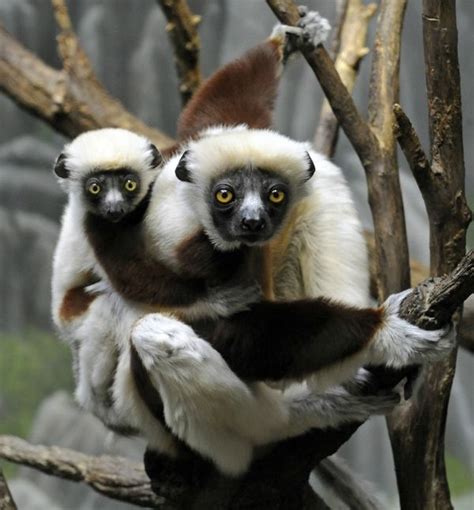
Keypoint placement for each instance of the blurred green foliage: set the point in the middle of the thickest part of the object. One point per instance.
(32, 366)
(459, 478)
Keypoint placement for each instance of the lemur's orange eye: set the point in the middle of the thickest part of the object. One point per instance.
(94, 188)
(276, 196)
(130, 185)
(224, 196)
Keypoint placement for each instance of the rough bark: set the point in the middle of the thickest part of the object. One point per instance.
(352, 34)
(182, 31)
(418, 432)
(6, 499)
(67, 101)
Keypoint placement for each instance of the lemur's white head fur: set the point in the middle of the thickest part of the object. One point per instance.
(221, 150)
(106, 149)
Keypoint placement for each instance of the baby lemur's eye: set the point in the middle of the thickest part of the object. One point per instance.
(224, 196)
(276, 196)
(130, 185)
(94, 188)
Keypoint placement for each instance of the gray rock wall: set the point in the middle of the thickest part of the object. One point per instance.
(126, 42)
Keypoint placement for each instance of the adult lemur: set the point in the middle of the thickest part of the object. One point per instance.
(205, 403)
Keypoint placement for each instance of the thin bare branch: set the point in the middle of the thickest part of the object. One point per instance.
(115, 477)
(182, 31)
(66, 103)
(385, 196)
(352, 48)
(413, 151)
(6, 499)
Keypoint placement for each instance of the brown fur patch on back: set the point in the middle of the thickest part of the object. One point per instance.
(76, 302)
(243, 91)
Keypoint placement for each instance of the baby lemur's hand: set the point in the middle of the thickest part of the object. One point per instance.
(226, 300)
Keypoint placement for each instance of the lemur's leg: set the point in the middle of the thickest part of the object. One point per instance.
(206, 405)
(286, 340)
(203, 399)
(333, 408)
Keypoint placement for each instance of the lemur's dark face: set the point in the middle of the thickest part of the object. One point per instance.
(248, 205)
(112, 194)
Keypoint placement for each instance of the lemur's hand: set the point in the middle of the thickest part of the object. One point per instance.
(398, 343)
(228, 299)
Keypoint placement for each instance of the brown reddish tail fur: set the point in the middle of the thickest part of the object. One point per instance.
(243, 91)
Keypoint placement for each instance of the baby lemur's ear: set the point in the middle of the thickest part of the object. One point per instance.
(60, 168)
(311, 168)
(156, 157)
(182, 172)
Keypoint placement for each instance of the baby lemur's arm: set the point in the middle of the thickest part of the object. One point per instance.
(139, 276)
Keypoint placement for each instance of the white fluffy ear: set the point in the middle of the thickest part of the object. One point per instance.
(182, 171)
(311, 168)
(60, 168)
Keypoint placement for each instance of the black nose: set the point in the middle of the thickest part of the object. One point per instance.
(253, 224)
(115, 215)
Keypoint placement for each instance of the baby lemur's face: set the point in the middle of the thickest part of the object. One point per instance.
(110, 171)
(248, 205)
(112, 194)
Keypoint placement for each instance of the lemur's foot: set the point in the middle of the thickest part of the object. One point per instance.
(161, 340)
(312, 30)
(380, 404)
(315, 28)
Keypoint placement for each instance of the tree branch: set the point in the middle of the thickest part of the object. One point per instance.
(68, 101)
(373, 146)
(184, 37)
(6, 499)
(115, 477)
(352, 29)
(418, 433)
